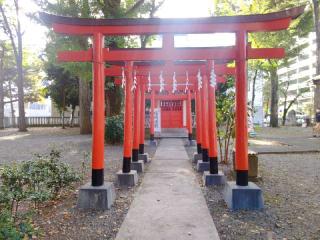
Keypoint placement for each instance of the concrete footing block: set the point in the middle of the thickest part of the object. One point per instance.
(243, 197)
(97, 198)
(138, 166)
(213, 179)
(197, 157)
(129, 179)
(203, 166)
(153, 143)
(144, 157)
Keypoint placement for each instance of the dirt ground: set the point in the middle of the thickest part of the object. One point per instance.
(291, 189)
(290, 184)
(60, 219)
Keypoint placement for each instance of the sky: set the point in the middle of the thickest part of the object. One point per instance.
(185, 8)
(34, 34)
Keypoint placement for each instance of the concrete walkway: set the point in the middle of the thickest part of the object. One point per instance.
(169, 203)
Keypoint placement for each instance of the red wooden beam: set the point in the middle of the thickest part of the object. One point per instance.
(265, 53)
(222, 53)
(168, 71)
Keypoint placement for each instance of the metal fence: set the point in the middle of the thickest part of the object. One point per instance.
(40, 121)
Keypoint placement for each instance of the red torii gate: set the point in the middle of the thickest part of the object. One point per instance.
(146, 75)
(143, 71)
(240, 25)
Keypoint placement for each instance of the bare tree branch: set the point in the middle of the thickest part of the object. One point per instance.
(134, 8)
(9, 31)
(154, 8)
(13, 100)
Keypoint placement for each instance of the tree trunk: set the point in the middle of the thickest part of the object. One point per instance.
(84, 107)
(254, 91)
(1, 103)
(19, 57)
(1, 90)
(267, 107)
(113, 101)
(63, 107)
(274, 98)
(62, 114)
(284, 113)
(72, 116)
(13, 116)
(317, 30)
(107, 101)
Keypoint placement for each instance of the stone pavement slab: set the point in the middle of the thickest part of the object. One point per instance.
(169, 203)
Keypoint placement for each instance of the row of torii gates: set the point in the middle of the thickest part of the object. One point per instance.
(170, 73)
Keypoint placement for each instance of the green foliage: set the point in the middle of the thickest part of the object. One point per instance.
(31, 70)
(10, 229)
(48, 175)
(225, 101)
(14, 183)
(36, 181)
(114, 129)
(62, 87)
(225, 96)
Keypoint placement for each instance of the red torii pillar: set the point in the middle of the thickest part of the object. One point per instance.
(198, 121)
(136, 124)
(204, 122)
(241, 127)
(98, 112)
(212, 126)
(152, 116)
(189, 117)
(142, 118)
(127, 138)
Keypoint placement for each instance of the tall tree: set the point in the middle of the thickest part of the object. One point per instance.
(285, 39)
(92, 9)
(287, 104)
(75, 8)
(15, 34)
(2, 54)
(317, 30)
(62, 87)
(254, 75)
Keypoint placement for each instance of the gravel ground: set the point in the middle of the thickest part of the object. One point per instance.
(285, 139)
(290, 185)
(60, 219)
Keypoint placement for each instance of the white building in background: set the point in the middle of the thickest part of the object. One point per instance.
(43, 108)
(39, 109)
(299, 74)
